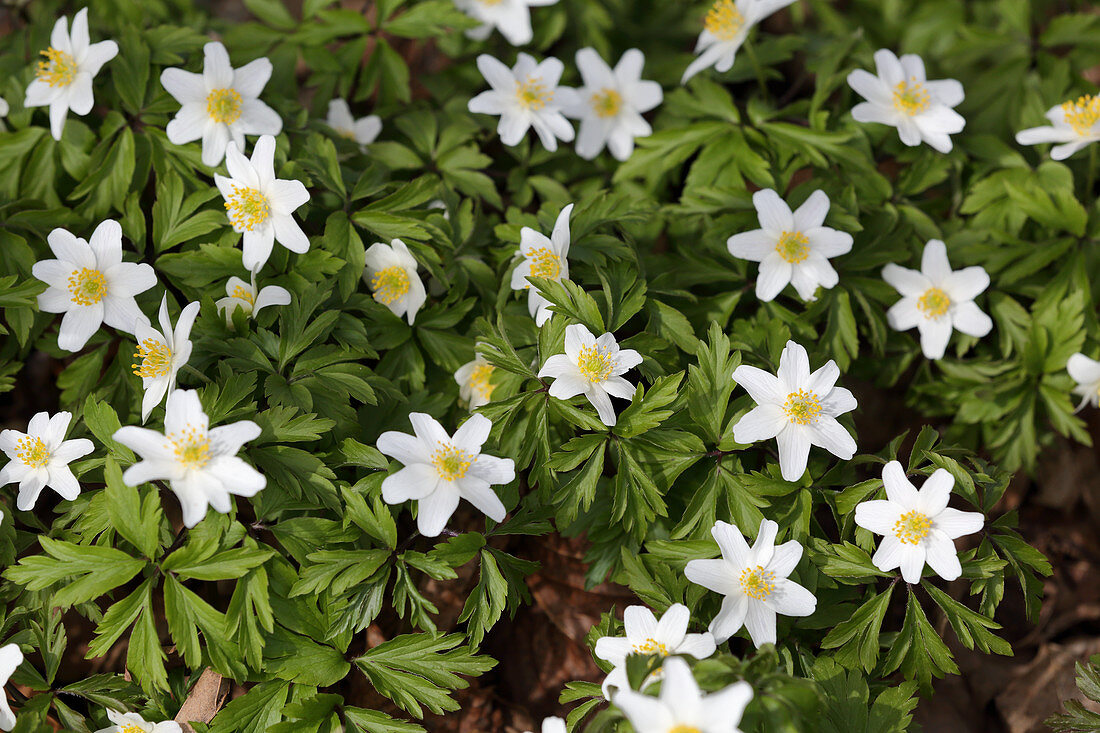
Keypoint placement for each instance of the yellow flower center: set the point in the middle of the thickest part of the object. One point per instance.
(802, 407)
(757, 582)
(32, 451)
(595, 365)
(58, 69)
(155, 359)
(684, 729)
(544, 263)
(911, 97)
(490, 3)
(131, 728)
(224, 105)
(912, 527)
(87, 286)
(192, 447)
(244, 294)
(450, 462)
(1083, 114)
(390, 284)
(724, 20)
(934, 303)
(793, 246)
(479, 380)
(532, 94)
(651, 646)
(248, 208)
(607, 102)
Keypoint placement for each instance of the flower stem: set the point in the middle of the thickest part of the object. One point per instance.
(196, 373)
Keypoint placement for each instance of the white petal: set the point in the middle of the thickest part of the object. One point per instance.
(969, 319)
(791, 599)
(941, 556)
(433, 511)
(934, 336)
(715, 575)
(954, 523)
(760, 423)
(899, 490)
(831, 435)
(753, 246)
(730, 618)
(773, 212)
(760, 622)
(415, 481)
(877, 516)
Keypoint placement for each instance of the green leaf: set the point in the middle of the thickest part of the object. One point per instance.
(416, 670)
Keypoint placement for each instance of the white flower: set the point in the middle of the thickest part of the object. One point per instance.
(511, 17)
(682, 708)
(791, 247)
(901, 97)
(553, 725)
(937, 300)
(1086, 372)
(221, 104)
(41, 457)
(10, 658)
(364, 131)
(239, 294)
(391, 272)
(917, 525)
(543, 257)
(797, 408)
(134, 723)
(727, 24)
(1075, 125)
(593, 367)
(90, 284)
(611, 103)
(63, 80)
(754, 582)
(4, 109)
(200, 463)
(440, 469)
(526, 96)
(646, 635)
(474, 380)
(259, 205)
(160, 354)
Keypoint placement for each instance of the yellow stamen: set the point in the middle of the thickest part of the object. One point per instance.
(607, 102)
(684, 728)
(224, 105)
(1083, 114)
(244, 294)
(479, 380)
(59, 68)
(155, 359)
(912, 527)
(544, 263)
(390, 284)
(793, 246)
(911, 97)
(724, 20)
(490, 3)
(532, 94)
(87, 286)
(450, 462)
(248, 208)
(934, 303)
(651, 646)
(757, 582)
(594, 364)
(802, 407)
(32, 451)
(192, 447)
(131, 728)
